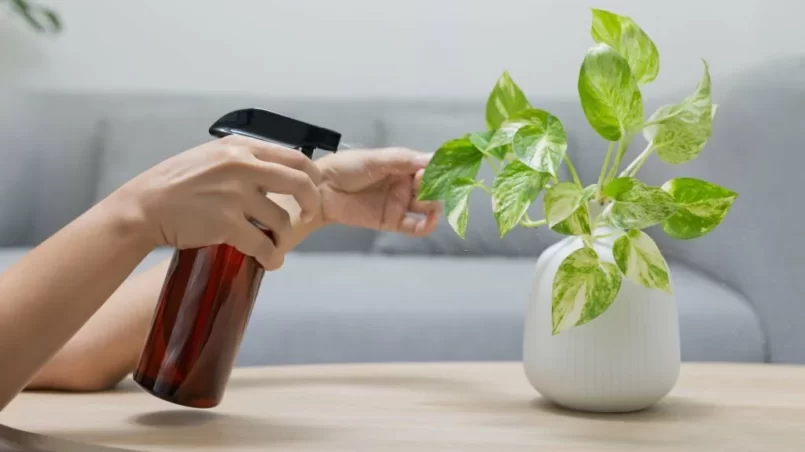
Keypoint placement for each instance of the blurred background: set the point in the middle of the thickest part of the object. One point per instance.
(129, 83)
(366, 48)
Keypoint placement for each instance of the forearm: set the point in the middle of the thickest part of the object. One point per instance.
(51, 293)
(108, 347)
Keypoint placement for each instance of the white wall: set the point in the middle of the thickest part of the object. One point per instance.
(447, 48)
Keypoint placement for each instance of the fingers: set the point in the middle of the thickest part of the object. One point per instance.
(421, 219)
(271, 217)
(418, 226)
(251, 241)
(276, 178)
(282, 170)
(396, 205)
(408, 216)
(274, 153)
(429, 213)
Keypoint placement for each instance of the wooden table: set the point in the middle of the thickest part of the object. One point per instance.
(422, 407)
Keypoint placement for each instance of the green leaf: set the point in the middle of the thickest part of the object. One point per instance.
(639, 258)
(610, 96)
(457, 203)
(628, 39)
(702, 207)
(515, 188)
(505, 100)
(39, 18)
(681, 130)
(637, 205)
(481, 141)
(53, 18)
(583, 289)
(565, 207)
(455, 159)
(541, 146)
(508, 129)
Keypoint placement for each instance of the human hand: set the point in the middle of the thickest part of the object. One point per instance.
(376, 189)
(210, 194)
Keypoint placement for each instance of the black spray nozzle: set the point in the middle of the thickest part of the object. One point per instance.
(267, 126)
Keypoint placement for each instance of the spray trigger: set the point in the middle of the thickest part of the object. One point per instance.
(268, 126)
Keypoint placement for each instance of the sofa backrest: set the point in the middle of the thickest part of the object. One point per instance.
(81, 147)
(17, 167)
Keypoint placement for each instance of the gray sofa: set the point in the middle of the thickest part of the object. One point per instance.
(349, 295)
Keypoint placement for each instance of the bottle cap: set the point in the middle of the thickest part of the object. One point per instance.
(268, 126)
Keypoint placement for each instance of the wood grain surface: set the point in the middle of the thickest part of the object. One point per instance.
(423, 407)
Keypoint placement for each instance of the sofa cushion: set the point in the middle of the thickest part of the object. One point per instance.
(352, 308)
(326, 308)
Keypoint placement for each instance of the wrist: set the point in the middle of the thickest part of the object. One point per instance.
(127, 221)
(328, 215)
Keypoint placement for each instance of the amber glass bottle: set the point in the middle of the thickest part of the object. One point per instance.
(209, 292)
(203, 310)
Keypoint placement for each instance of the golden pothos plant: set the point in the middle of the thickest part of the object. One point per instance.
(526, 145)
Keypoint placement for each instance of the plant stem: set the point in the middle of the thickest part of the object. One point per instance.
(533, 224)
(623, 146)
(484, 187)
(600, 186)
(638, 162)
(572, 170)
(600, 220)
(527, 222)
(603, 236)
(491, 163)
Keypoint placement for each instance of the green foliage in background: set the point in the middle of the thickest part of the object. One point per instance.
(40, 18)
(526, 146)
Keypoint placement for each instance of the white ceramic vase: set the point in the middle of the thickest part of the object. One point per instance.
(627, 359)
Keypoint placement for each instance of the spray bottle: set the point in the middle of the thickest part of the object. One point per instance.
(209, 292)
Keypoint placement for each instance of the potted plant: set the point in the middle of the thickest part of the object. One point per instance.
(602, 330)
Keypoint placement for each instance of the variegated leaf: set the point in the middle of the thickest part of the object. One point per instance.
(454, 160)
(681, 130)
(541, 146)
(637, 205)
(457, 203)
(702, 207)
(505, 100)
(610, 96)
(565, 208)
(628, 39)
(515, 188)
(583, 289)
(508, 129)
(639, 258)
(481, 141)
